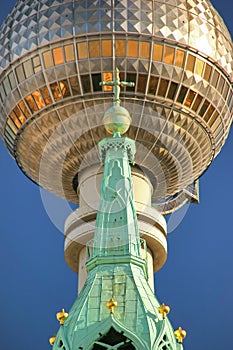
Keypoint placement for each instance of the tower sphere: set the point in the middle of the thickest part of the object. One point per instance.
(54, 53)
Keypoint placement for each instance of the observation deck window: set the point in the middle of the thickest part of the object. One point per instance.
(215, 78)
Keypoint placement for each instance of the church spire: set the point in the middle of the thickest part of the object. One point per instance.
(116, 308)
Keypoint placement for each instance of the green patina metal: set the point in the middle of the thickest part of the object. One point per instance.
(116, 264)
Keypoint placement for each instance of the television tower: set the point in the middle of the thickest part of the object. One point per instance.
(53, 54)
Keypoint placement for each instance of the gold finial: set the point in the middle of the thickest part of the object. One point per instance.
(52, 339)
(116, 83)
(111, 304)
(180, 334)
(164, 310)
(62, 316)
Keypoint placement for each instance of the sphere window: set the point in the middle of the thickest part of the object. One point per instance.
(179, 60)
(12, 80)
(15, 120)
(132, 78)
(19, 114)
(182, 94)
(190, 63)
(169, 53)
(163, 85)
(142, 81)
(36, 64)
(69, 52)
(64, 88)
(20, 73)
(107, 76)
(207, 72)
(11, 127)
(215, 79)
(157, 52)
(190, 98)
(133, 48)
(38, 99)
(172, 90)
(209, 113)
(204, 108)
(153, 85)
(58, 56)
(74, 85)
(82, 50)
(96, 78)
(45, 93)
(86, 84)
(106, 47)
(94, 48)
(28, 68)
(31, 103)
(144, 49)
(56, 92)
(6, 85)
(199, 66)
(197, 102)
(47, 57)
(120, 48)
(24, 109)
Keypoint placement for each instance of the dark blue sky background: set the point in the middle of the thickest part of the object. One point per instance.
(197, 280)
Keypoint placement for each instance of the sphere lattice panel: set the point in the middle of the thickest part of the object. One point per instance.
(53, 54)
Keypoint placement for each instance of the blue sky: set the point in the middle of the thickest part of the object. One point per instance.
(196, 281)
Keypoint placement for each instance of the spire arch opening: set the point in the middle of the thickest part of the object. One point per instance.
(113, 340)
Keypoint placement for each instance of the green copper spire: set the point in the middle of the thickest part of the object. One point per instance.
(116, 308)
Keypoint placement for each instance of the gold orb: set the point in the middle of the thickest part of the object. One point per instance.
(117, 119)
